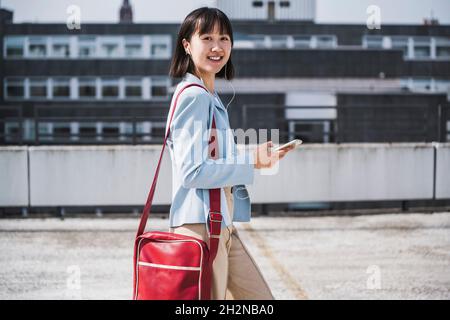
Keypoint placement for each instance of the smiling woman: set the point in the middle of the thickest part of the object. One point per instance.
(203, 47)
(208, 181)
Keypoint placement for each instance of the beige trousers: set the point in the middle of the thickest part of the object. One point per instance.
(235, 273)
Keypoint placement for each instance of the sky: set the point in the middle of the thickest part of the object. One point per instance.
(149, 11)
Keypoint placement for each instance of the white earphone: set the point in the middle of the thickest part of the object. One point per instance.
(228, 81)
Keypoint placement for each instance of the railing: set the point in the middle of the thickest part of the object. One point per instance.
(117, 137)
(355, 123)
(362, 123)
(265, 116)
(63, 133)
(11, 114)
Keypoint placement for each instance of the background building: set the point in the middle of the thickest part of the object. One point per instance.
(108, 83)
(298, 10)
(322, 83)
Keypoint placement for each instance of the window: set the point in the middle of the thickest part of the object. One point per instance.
(422, 84)
(86, 46)
(61, 131)
(110, 88)
(158, 130)
(143, 130)
(279, 41)
(159, 88)
(421, 51)
(302, 41)
(133, 88)
(443, 52)
(400, 43)
(15, 87)
(442, 86)
(133, 47)
(422, 48)
(448, 131)
(110, 130)
(87, 130)
(325, 41)
(28, 129)
(37, 47)
(373, 42)
(38, 88)
(61, 88)
(259, 41)
(271, 10)
(12, 131)
(257, 4)
(109, 47)
(160, 47)
(45, 131)
(110, 50)
(242, 40)
(87, 88)
(418, 47)
(14, 47)
(60, 47)
(285, 4)
(442, 48)
(312, 131)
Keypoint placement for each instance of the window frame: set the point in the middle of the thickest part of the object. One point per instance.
(57, 82)
(109, 82)
(59, 40)
(8, 40)
(160, 39)
(20, 80)
(133, 40)
(37, 40)
(34, 82)
(128, 82)
(162, 80)
(86, 81)
(87, 41)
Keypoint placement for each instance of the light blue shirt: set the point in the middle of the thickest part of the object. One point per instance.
(193, 172)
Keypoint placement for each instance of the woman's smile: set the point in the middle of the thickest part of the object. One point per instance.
(215, 59)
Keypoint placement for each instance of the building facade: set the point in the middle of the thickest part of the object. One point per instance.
(268, 10)
(108, 83)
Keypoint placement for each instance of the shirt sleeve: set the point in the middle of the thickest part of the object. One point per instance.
(190, 137)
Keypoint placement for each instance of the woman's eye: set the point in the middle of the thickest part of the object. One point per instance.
(208, 38)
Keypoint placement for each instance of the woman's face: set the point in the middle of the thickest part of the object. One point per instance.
(203, 47)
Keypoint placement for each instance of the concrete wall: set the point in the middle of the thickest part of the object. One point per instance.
(122, 175)
(350, 172)
(13, 176)
(97, 175)
(443, 171)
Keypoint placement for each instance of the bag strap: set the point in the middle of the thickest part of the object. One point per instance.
(215, 216)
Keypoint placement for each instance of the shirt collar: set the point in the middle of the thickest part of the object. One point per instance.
(189, 77)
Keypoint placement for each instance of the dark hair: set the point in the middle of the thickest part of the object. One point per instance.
(203, 19)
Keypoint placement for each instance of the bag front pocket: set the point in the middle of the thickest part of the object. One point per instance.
(162, 282)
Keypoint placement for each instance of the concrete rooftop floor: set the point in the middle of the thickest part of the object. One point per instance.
(386, 256)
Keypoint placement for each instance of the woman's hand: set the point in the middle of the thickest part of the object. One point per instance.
(265, 157)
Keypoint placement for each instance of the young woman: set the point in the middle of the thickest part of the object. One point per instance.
(202, 52)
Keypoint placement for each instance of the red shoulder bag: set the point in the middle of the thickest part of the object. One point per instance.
(170, 266)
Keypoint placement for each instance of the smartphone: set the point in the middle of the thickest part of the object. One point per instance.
(295, 142)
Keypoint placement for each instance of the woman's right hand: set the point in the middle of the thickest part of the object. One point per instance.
(265, 157)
